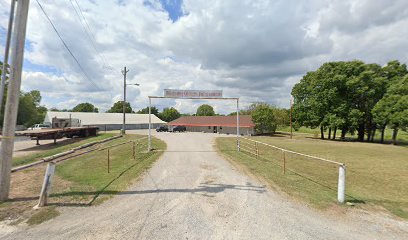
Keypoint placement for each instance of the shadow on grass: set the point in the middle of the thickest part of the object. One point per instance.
(95, 193)
(22, 199)
(276, 134)
(355, 140)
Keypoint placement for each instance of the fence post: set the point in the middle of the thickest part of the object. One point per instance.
(256, 150)
(46, 187)
(284, 162)
(108, 161)
(341, 189)
(134, 150)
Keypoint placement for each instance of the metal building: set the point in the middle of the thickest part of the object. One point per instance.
(107, 121)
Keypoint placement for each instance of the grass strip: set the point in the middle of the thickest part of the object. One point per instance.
(91, 181)
(376, 174)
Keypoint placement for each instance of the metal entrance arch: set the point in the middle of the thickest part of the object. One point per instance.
(149, 145)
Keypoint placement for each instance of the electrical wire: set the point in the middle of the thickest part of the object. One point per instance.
(92, 36)
(89, 34)
(66, 46)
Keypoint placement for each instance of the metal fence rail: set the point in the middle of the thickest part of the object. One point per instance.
(49, 173)
(341, 184)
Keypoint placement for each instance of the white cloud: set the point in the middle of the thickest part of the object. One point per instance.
(256, 50)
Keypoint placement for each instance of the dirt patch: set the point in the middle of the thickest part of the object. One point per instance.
(24, 193)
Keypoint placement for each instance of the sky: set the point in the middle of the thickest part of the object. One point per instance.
(252, 49)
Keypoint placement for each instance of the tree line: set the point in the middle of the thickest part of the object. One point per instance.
(353, 97)
(29, 109)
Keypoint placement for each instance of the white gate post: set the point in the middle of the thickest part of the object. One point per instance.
(149, 144)
(46, 187)
(341, 189)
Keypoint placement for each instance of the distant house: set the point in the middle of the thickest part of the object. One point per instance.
(216, 124)
(107, 121)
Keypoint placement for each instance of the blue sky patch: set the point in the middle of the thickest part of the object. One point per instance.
(174, 8)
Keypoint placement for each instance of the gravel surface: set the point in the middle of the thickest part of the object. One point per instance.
(193, 193)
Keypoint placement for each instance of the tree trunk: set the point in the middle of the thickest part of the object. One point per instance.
(373, 134)
(394, 136)
(382, 133)
(334, 133)
(329, 137)
(360, 131)
(343, 133)
(369, 132)
(321, 132)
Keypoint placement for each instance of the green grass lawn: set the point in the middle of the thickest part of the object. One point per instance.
(60, 147)
(402, 137)
(377, 174)
(89, 173)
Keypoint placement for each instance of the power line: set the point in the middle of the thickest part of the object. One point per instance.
(66, 46)
(88, 33)
(92, 36)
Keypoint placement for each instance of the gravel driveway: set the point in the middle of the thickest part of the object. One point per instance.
(193, 193)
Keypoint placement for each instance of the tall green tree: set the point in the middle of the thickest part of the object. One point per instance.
(263, 118)
(169, 114)
(340, 95)
(282, 116)
(85, 107)
(153, 110)
(29, 110)
(205, 110)
(118, 107)
(392, 109)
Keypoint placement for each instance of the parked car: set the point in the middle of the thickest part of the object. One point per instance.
(179, 129)
(40, 126)
(162, 129)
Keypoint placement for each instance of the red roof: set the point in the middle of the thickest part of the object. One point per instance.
(224, 121)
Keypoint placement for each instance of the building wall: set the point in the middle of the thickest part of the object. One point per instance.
(223, 130)
(110, 127)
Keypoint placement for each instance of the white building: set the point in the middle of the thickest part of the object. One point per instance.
(107, 121)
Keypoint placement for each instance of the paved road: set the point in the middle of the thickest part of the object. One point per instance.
(193, 193)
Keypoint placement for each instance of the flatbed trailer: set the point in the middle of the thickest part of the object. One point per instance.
(57, 133)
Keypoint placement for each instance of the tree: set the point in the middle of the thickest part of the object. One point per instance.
(3, 101)
(205, 110)
(340, 95)
(29, 110)
(263, 118)
(153, 110)
(85, 107)
(118, 107)
(169, 114)
(392, 109)
(282, 116)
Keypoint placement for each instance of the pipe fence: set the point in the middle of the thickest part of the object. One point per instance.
(289, 159)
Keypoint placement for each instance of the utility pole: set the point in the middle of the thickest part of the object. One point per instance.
(124, 72)
(291, 129)
(6, 53)
(10, 113)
